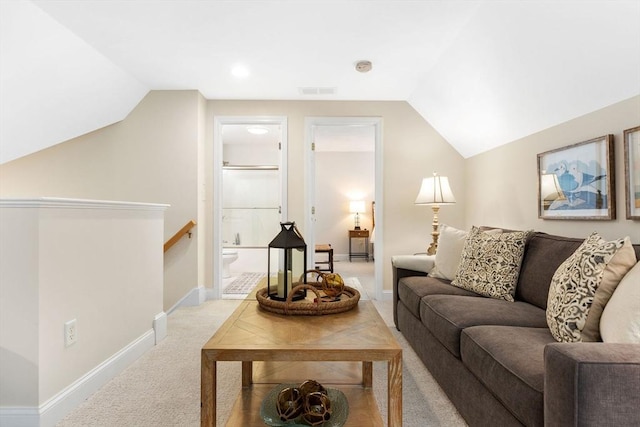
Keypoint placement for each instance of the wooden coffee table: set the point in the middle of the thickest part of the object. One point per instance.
(338, 350)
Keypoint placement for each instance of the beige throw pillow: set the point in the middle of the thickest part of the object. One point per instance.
(620, 321)
(490, 263)
(574, 285)
(620, 264)
(450, 244)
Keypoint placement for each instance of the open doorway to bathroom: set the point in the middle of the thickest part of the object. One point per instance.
(250, 197)
(344, 170)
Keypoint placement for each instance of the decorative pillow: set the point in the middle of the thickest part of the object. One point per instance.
(450, 245)
(574, 285)
(490, 263)
(620, 264)
(620, 321)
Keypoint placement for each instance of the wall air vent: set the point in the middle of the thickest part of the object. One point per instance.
(317, 90)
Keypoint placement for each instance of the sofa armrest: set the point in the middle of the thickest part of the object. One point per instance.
(405, 266)
(592, 384)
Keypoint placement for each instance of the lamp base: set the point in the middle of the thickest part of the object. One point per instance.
(431, 250)
(435, 233)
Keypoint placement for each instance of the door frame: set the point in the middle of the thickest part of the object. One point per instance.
(310, 124)
(218, 124)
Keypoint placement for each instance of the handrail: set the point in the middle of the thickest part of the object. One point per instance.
(184, 230)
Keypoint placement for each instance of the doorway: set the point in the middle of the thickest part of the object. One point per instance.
(249, 198)
(344, 165)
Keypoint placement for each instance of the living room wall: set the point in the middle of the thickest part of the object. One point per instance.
(151, 156)
(502, 183)
(412, 149)
(162, 153)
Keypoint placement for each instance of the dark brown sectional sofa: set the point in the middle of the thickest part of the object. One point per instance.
(498, 362)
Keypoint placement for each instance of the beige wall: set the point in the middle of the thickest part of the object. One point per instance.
(502, 183)
(151, 156)
(98, 263)
(163, 153)
(412, 149)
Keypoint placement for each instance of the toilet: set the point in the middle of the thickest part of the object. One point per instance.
(228, 256)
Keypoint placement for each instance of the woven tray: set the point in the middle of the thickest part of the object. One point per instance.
(349, 299)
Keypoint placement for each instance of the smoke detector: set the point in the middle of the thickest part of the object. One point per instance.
(363, 66)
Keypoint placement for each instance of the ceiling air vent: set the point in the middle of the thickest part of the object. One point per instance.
(317, 90)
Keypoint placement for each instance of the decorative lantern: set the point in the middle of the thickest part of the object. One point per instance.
(288, 253)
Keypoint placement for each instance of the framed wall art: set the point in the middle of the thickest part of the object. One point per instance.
(577, 181)
(632, 171)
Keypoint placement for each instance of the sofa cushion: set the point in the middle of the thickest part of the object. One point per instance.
(542, 256)
(509, 361)
(490, 263)
(574, 284)
(447, 315)
(412, 289)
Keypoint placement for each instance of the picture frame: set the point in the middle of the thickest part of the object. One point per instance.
(632, 172)
(577, 182)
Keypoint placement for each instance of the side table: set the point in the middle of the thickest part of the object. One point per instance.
(359, 234)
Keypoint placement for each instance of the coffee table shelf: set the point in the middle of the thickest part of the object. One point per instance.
(362, 406)
(277, 348)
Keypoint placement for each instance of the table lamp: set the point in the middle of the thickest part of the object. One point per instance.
(435, 191)
(355, 207)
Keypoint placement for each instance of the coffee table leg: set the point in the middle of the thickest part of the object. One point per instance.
(247, 373)
(394, 378)
(208, 392)
(367, 374)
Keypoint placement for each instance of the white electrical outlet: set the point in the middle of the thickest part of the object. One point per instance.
(70, 333)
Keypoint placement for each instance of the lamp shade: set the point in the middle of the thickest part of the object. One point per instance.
(356, 206)
(435, 190)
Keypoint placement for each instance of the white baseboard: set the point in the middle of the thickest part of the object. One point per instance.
(387, 295)
(56, 408)
(19, 417)
(160, 327)
(194, 297)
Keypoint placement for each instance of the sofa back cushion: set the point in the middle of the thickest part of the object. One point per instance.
(542, 256)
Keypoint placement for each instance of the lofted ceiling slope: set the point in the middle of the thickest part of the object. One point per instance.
(482, 73)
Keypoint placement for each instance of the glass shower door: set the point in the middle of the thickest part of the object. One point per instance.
(251, 206)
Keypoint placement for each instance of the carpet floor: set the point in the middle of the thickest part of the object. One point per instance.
(162, 388)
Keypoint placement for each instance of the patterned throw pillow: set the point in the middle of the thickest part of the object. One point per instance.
(490, 263)
(574, 285)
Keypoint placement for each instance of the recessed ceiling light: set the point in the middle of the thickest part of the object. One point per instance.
(257, 130)
(240, 72)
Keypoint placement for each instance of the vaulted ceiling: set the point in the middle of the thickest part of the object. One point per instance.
(482, 73)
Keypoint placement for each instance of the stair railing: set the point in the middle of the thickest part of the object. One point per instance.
(184, 230)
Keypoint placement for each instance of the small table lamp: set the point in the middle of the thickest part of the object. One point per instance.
(435, 191)
(355, 207)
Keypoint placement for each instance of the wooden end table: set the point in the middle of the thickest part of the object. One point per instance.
(251, 335)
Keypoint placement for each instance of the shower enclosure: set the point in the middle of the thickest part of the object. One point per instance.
(250, 206)
(250, 192)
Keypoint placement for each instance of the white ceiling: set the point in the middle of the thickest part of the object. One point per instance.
(482, 73)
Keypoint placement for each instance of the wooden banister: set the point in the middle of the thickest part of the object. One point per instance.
(184, 230)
